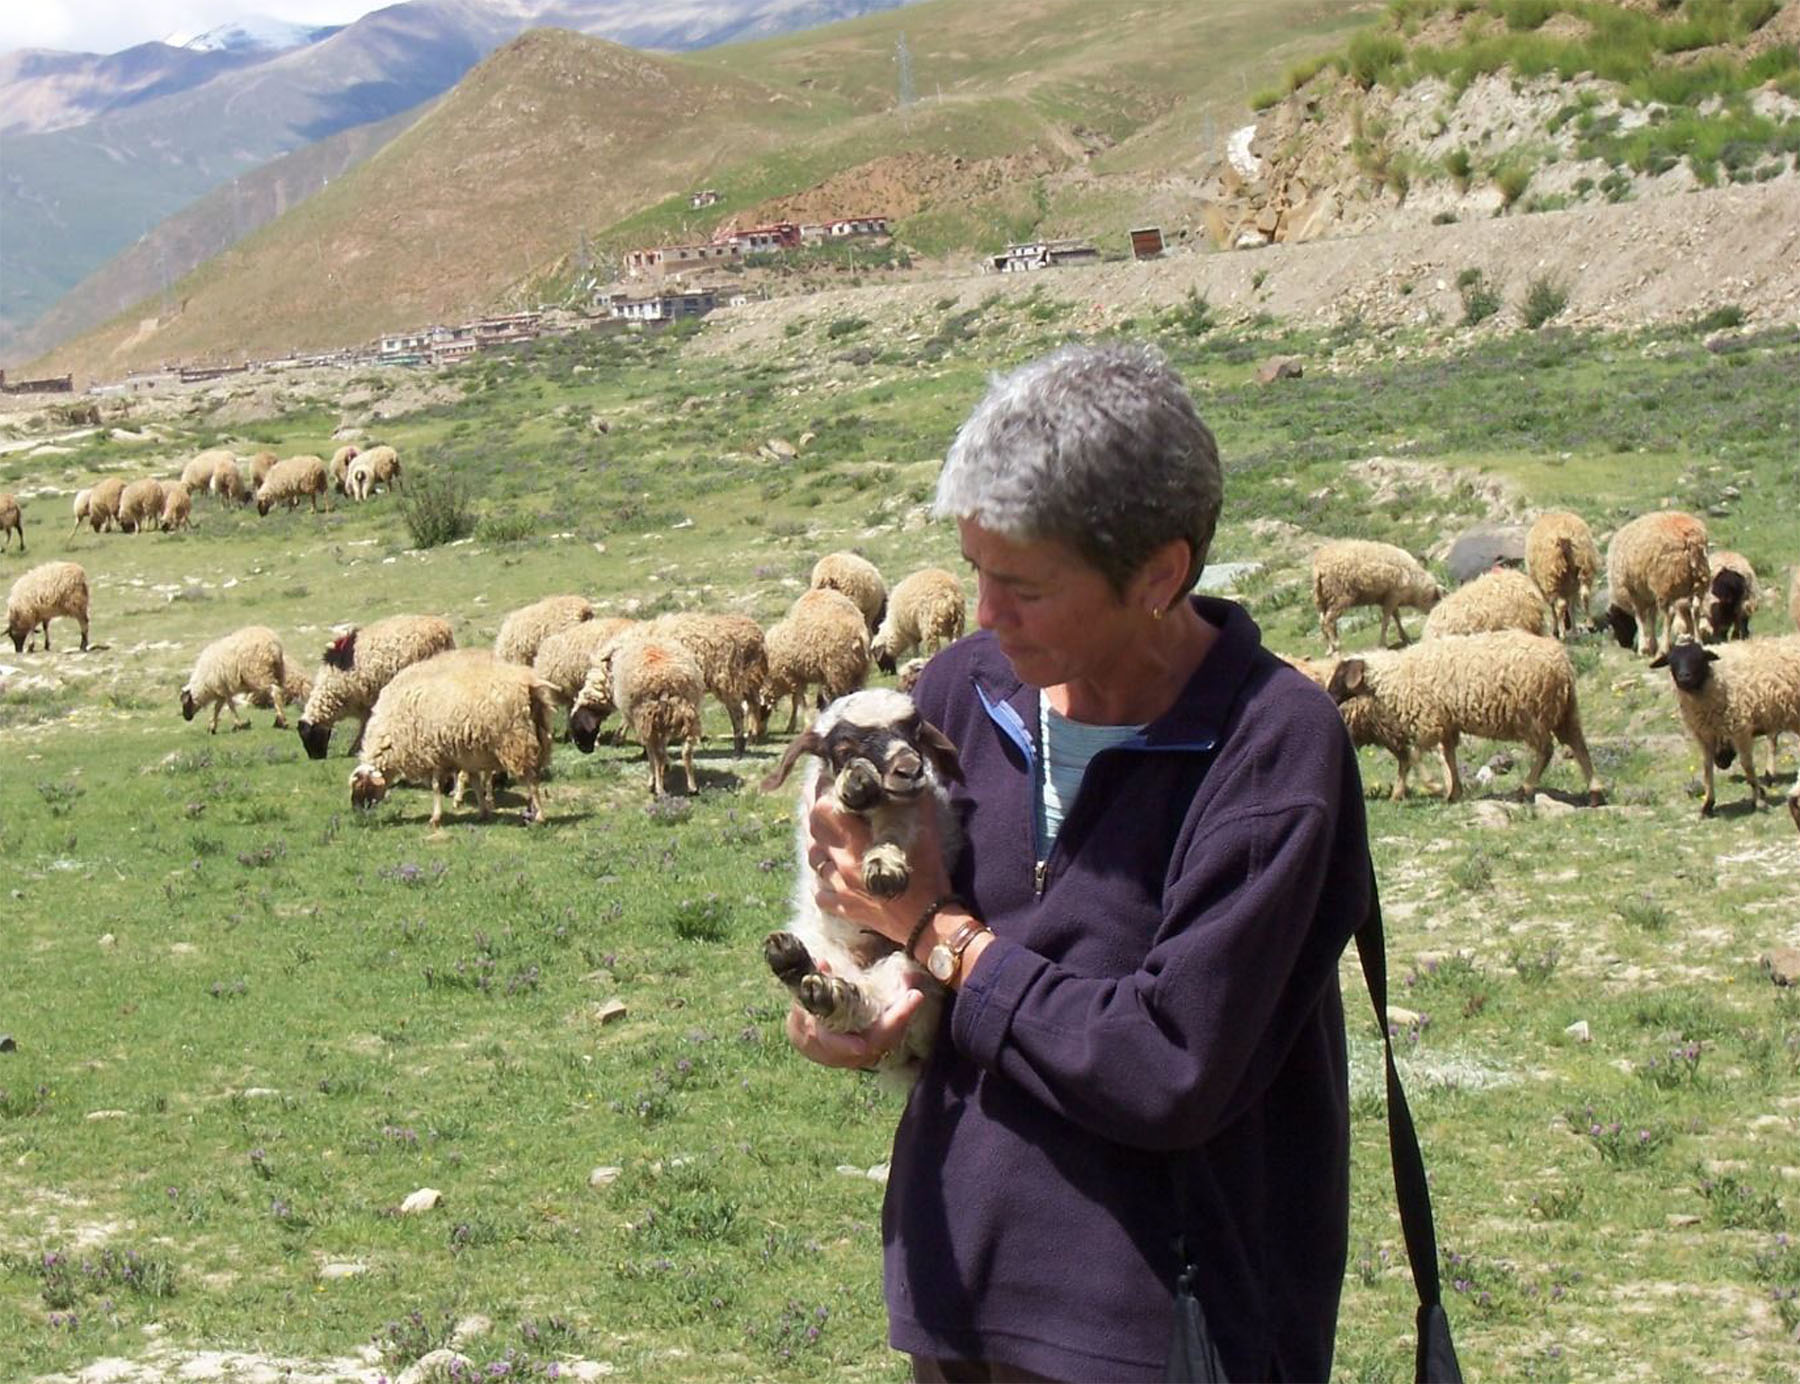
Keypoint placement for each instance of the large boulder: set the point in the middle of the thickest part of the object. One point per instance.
(1477, 550)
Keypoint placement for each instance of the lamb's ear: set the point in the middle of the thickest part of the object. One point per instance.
(940, 751)
(808, 742)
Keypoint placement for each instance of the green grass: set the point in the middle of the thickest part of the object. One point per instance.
(250, 1022)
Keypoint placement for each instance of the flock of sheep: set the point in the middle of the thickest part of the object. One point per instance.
(1491, 662)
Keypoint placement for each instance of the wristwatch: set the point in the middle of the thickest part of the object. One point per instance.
(945, 959)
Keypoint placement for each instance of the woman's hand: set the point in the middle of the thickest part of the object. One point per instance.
(860, 1050)
(836, 842)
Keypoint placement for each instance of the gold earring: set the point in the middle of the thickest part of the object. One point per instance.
(1156, 612)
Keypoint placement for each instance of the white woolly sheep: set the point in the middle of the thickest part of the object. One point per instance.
(227, 484)
(460, 712)
(1349, 572)
(357, 665)
(340, 468)
(732, 656)
(141, 505)
(926, 610)
(82, 500)
(40, 596)
(198, 474)
(657, 686)
(359, 479)
(823, 641)
(382, 465)
(857, 578)
(1563, 559)
(1731, 695)
(103, 503)
(260, 466)
(1503, 685)
(529, 626)
(292, 479)
(1501, 599)
(11, 521)
(296, 687)
(1656, 565)
(177, 507)
(1731, 597)
(240, 664)
(878, 758)
(564, 659)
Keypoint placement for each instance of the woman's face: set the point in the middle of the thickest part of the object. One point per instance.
(1057, 619)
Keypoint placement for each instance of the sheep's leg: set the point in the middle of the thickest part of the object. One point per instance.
(1452, 780)
(1646, 618)
(1328, 619)
(687, 763)
(213, 729)
(46, 639)
(1706, 778)
(437, 801)
(837, 1002)
(1399, 628)
(1746, 748)
(237, 721)
(1570, 734)
(356, 744)
(1541, 761)
(533, 814)
(275, 694)
(735, 710)
(658, 758)
(484, 793)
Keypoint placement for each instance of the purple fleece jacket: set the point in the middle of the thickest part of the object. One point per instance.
(1167, 998)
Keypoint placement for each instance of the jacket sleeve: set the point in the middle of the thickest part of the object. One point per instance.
(1254, 921)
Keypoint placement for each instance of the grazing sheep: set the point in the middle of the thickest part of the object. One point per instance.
(823, 641)
(1350, 572)
(103, 503)
(357, 665)
(383, 467)
(11, 521)
(260, 466)
(198, 474)
(563, 660)
(359, 479)
(141, 505)
(1729, 696)
(732, 657)
(1563, 559)
(1655, 565)
(1503, 685)
(227, 483)
(43, 593)
(878, 758)
(1730, 598)
(657, 686)
(340, 468)
(83, 498)
(857, 578)
(460, 712)
(1502, 599)
(529, 626)
(177, 506)
(927, 609)
(241, 664)
(296, 687)
(290, 480)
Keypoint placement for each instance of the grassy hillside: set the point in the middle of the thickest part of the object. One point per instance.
(249, 1021)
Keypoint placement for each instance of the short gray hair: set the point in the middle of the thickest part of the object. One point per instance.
(1097, 447)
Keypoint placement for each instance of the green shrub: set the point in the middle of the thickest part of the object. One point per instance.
(1372, 57)
(1512, 179)
(506, 528)
(845, 326)
(1545, 298)
(1460, 165)
(1480, 301)
(436, 510)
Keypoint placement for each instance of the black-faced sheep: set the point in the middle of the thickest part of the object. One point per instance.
(1656, 566)
(42, 594)
(823, 642)
(291, 480)
(1730, 600)
(1501, 599)
(878, 758)
(1563, 559)
(656, 685)
(358, 665)
(857, 578)
(11, 521)
(1349, 572)
(460, 712)
(1505, 685)
(733, 659)
(1731, 695)
(529, 626)
(243, 663)
(926, 610)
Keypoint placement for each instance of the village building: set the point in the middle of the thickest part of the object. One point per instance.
(1042, 254)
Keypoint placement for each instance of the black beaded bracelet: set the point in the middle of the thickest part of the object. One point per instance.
(932, 909)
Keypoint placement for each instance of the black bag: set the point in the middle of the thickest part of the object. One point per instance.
(1194, 1359)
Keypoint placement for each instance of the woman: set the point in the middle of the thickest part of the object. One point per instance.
(1165, 855)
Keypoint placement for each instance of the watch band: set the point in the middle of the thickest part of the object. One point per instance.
(932, 909)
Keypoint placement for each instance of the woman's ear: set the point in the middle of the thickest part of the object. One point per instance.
(1160, 580)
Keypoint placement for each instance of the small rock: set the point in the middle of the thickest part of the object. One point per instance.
(1488, 813)
(437, 1367)
(471, 1326)
(604, 1176)
(260, 1092)
(1279, 368)
(108, 940)
(1553, 807)
(1681, 1222)
(610, 1012)
(331, 1272)
(1783, 965)
(107, 1115)
(425, 1199)
(1579, 1031)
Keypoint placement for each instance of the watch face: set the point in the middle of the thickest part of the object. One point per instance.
(941, 962)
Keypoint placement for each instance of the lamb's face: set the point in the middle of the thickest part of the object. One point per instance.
(368, 786)
(1688, 665)
(877, 747)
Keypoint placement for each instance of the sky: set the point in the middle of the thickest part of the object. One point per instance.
(105, 26)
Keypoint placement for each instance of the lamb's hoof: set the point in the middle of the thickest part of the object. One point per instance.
(825, 997)
(885, 873)
(858, 788)
(788, 958)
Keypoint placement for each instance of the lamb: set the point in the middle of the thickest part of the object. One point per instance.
(1656, 564)
(857, 578)
(1503, 685)
(1562, 558)
(11, 521)
(241, 664)
(227, 483)
(657, 685)
(529, 626)
(927, 609)
(103, 503)
(1502, 599)
(177, 506)
(358, 665)
(141, 505)
(459, 712)
(822, 641)
(291, 479)
(340, 467)
(878, 758)
(733, 660)
(1350, 572)
(1730, 696)
(563, 660)
(1730, 598)
(40, 595)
